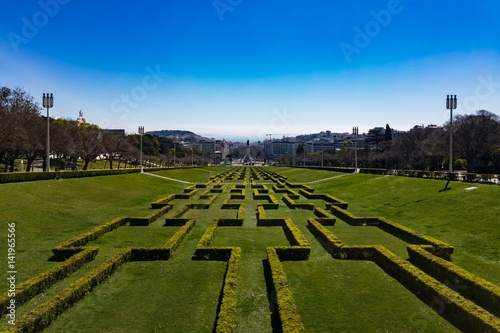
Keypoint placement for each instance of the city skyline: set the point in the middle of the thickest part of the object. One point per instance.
(241, 69)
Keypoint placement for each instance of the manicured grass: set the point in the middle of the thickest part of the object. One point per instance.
(197, 175)
(49, 212)
(299, 175)
(182, 294)
(466, 219)
(172, 296)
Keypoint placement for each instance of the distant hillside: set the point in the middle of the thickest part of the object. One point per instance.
(179, 135)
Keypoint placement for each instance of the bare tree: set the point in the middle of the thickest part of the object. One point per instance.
(475, 135)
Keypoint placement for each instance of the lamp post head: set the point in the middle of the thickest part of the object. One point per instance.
(451, 102)
(48, 100)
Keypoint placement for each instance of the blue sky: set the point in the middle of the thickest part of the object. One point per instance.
(244, 68)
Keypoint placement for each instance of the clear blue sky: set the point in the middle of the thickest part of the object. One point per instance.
(245, 68)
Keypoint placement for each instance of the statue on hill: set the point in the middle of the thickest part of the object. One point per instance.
(81, 119)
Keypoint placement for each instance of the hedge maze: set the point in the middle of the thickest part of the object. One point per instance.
(257, 197)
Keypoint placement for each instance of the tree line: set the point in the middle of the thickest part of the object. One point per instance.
(23, 131)
(475, 139)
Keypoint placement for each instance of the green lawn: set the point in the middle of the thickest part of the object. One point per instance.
(182, 295)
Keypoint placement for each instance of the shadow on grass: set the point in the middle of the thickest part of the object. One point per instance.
(271, 298)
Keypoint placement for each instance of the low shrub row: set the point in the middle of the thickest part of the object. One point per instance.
(294, 235)
(261, 212)
(293, 205)
(293, 194)
(292, 185)
(206, 252)
(455, 308)
(478, 290)
(279, 188)
(326, 197)
(14, 177)
(35, 285)
(179, 222)
(320, 212)
(406, 234)
(180, 212)
(299, 248)
(440, 248)
(147, 220)
(217, 190)
(163, 252)
(462, 313)
(162, 201)
(208, 235)
(241, 211)
(227, 312)
(188, 193)
(288, 313)
(43, 315)
(68, 248)
(176, 240)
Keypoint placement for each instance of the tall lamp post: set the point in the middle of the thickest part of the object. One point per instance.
(48, 102)
(451, 103)
(355, 132)
(141, 133)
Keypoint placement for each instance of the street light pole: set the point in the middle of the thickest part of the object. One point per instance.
(48, 102)
(355, 132)
(451, 103)
(141, 133)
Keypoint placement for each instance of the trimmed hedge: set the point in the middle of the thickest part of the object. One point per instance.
(145, 221)
(326, 197)
(440, 248)
(62, 250)
(14, 177)
(241, 211)
(288, 313)
(208, 235)
(188, 193)
(162, 201)
(181, 212)
(174, 241)
(406, 234)
(41, 317)
(459, 311)
(478, 290)
(35, 285)
(227, 313)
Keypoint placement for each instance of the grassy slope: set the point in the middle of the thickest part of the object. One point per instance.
(467, 219)
(327, 291)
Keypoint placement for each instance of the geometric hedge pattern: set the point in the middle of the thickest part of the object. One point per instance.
(428, 274)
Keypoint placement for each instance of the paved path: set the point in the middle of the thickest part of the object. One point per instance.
(175, 180)
(338, 176)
